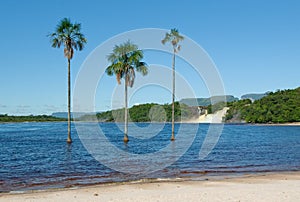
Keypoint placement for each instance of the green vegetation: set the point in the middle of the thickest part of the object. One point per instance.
(125, 61)
(282, 106)
(254, 96)
(236, 110)
(279, 107)
(216, 107)
(174, 38)
(208, 101)
(31, 118)
(150, 112)
(69, 35)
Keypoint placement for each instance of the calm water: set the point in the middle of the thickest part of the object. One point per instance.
(36, 156)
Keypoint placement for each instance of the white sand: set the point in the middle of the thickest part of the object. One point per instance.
(272, 187)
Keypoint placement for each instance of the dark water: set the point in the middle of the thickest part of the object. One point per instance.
(36, 156)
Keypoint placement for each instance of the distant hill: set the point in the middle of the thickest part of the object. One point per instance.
(65, 114)
(60, 114)
(208, 101)
(150, 112)
(254, 96)
(282, 106)
(30, 118)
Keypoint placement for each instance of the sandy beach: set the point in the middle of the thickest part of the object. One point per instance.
(262, 187)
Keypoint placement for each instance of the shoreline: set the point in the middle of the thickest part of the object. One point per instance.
(280, 124)
(277, 186)
(204, 176)
(192, 121)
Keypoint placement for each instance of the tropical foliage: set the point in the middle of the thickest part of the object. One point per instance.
(174, 38)
(279, 107)
(31, 118)
(69, 35)
(216, 107)
(236, 110)
(208, 101)
(125, 61)
(150, 112)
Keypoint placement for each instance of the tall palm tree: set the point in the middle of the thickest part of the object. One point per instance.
(174, 38)
(125, 60)
(68, 35)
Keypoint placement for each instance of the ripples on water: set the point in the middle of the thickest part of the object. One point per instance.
(36, 156)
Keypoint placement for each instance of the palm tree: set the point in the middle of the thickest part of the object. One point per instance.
(68, 35)
(125, 60)
(174, 38)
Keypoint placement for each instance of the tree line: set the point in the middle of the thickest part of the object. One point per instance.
(30, 118)
(150, 112)
(282, 106)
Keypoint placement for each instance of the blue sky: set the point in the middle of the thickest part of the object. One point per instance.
(254, 44)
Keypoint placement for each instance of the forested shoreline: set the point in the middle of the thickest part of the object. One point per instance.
(282, 106)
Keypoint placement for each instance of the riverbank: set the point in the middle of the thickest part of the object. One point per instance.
(281, 124)
(262, 187)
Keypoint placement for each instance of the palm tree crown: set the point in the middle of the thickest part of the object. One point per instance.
(174, 37)
(69, 35)
(125, 60)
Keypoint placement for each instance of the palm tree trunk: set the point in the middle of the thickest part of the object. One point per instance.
(69, 140)
(173, 98)
(126, 111)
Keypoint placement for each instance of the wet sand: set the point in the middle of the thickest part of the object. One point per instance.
(261, 187)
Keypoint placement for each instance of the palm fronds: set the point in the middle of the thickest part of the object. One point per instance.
(125, 60)
(69, 35)
(174, 38)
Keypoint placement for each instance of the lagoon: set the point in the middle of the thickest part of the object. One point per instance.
(36, 156)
